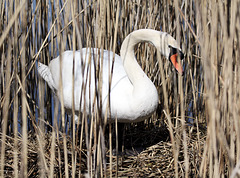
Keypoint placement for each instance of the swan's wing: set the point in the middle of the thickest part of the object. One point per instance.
(45, 73)
(85, 74)
(120, 83)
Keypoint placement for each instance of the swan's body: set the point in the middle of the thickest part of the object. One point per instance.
(133, 96)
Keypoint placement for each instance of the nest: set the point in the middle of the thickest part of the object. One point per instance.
(33, 159)
(155, 160)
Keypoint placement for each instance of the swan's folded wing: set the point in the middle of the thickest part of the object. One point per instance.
(46, 74)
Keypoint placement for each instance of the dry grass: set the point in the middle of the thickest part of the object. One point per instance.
(195, 131)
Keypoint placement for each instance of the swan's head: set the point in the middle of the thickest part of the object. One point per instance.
(173, 56)
(172, 51)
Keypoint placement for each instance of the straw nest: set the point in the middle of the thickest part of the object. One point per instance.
(155, 160)
(33, 155)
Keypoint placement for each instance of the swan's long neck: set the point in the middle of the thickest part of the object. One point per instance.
(132, 68)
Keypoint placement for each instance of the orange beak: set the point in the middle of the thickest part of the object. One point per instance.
(178, 66)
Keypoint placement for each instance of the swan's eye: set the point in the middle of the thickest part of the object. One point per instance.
(181, 55)
(175, 51)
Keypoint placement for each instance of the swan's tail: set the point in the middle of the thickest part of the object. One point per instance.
(46, 74)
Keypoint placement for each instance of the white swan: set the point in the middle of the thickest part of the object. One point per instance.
(133, 96)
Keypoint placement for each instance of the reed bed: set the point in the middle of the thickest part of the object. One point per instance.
(195, 131)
